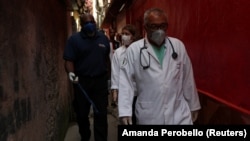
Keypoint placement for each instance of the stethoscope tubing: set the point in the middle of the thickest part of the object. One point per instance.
(174, 54)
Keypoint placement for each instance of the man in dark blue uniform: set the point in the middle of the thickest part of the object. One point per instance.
(87, 63)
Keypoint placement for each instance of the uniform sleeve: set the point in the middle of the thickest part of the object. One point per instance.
(69, 53)
(126, 86)
(115, 70)
(189, 86)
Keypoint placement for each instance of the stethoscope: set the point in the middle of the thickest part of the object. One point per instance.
(174, 54)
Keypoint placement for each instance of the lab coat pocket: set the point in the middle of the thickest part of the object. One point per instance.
(182, 112)
(176, 71)
(144, 111)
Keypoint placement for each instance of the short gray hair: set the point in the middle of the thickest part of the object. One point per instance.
(156, 11)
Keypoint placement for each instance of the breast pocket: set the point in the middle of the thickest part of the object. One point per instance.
(176, 71)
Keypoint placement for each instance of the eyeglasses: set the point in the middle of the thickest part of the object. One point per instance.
(157, 26)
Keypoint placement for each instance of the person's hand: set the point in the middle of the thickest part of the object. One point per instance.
(126, 120)
(194, 115)
(73, 78)
(114, 95)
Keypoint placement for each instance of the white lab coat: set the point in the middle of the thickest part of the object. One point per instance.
(166, 94)
(117, 60)
(111, 53)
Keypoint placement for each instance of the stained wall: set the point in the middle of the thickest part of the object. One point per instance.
(34, 91)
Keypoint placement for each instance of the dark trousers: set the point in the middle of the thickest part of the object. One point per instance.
(97, 90)
(133, 111)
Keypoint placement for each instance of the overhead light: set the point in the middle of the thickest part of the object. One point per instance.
(122, 7)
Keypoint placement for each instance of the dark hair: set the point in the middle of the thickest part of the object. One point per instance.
(85, 17)
(132, 29)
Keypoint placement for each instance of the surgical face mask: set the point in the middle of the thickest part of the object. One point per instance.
(89, 28)
(126, 40)
(158, 36)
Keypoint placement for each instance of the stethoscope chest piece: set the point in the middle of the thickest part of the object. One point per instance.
(174, 55)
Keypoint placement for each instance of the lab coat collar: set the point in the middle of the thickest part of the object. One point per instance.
(151, 50)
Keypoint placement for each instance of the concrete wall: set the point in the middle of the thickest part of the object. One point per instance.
(34, 91)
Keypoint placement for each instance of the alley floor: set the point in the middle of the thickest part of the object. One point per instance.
(73, 134)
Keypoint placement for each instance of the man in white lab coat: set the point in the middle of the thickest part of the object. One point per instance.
(161, 68)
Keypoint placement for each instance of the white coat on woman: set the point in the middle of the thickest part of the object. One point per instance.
(166, 94)
(117, 61)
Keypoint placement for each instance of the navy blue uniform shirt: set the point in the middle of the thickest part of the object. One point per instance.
(89, 54)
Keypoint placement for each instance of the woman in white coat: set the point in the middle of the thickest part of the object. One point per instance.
(162, 70)
(129, 35)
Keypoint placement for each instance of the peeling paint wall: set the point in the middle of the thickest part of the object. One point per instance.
(34, 93)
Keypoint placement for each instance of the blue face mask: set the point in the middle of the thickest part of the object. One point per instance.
(90, 27)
